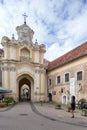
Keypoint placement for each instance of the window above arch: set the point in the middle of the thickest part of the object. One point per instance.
(25, 55)
(25, 52)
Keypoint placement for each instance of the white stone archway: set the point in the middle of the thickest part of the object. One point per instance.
(22, 81)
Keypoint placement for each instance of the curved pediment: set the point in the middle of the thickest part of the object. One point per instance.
(25, 33)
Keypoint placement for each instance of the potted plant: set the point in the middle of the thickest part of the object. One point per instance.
(84, 112)
(68, 108)
(9, 101)
(58, 106)
(3, 104)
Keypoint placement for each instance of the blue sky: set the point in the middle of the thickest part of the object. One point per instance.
(59, 24)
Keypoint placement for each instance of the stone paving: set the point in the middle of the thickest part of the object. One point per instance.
(48, 110)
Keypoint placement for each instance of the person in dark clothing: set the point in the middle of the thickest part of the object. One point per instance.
(72, 105)
(27, 94)
(1, 96)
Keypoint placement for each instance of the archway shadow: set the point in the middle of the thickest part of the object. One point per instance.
(24, 90)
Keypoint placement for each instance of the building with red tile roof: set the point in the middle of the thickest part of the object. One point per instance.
(72, 55)
(67, 76)
(23, 68)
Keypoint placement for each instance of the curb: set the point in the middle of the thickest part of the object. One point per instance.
(62, 120)
(7, 108)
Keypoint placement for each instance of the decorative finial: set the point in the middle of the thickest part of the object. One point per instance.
(36, 42)
(25, 16)
(13, 36)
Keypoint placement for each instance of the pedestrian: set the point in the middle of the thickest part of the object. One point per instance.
(27, 95)
(72, 106)
(2, 97)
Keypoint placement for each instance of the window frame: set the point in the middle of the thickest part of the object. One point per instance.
(80, 77)
(57, 79)
(49, 81)
(68, 77)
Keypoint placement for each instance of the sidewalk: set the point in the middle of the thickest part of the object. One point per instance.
(6, 108)
(48, 110)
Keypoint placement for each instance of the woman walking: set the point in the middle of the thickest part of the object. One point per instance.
(72, 105)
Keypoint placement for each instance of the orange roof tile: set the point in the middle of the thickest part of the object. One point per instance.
(68, 57)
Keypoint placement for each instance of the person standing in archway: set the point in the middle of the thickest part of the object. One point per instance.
(72, 105)
(27, 94)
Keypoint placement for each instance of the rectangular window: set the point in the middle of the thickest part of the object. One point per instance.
(49, 82)
(0, 77)
(79, 75)
(67, 77)
(58, 79)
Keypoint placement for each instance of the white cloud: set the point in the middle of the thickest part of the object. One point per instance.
(56, 50)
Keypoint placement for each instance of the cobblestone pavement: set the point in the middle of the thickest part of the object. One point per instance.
(48, 110)
(22, 115)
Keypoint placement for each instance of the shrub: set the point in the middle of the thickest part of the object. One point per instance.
(9, 100)
(68, 108)
(84, 112)
(2, 104)
(58, 106)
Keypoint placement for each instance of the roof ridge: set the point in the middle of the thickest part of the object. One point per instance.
(70, 51)
(75, 53)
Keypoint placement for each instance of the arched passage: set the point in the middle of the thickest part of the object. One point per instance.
(24, 89)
